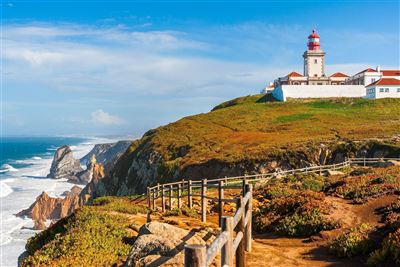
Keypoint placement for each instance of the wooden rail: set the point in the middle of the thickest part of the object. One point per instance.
(233, 240)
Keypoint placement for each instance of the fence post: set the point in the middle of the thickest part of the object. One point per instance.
(306, 170)
(247, 233)
(220, 202)
(195, 255)
(190, 199)
(154, 198)
(240, 255)
(203, 200)
(364, 162)
(179, 196)
(320, 170)
(170, 197)
(227, 249)
(162, 198)
(148, 198)
(158, 190)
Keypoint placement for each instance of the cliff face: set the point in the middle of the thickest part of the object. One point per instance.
(106, 154)
(252, 137)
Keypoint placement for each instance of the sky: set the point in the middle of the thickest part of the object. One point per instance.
(124, 67)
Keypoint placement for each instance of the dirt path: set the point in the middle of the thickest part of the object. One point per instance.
(270, 250)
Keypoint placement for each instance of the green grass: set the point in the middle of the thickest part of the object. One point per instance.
(294, 117)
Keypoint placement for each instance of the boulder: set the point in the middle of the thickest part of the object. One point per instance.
(161, 244)
(333, 173)
(64, 164)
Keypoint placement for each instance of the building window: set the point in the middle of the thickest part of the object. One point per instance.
(372, 80)
(386, 90)
(315, 75)
(381, 90)
(398, 90)
(315, 61)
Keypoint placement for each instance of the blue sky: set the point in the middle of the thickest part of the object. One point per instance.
(123, 67)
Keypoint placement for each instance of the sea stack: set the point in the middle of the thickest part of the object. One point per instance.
(64, 164)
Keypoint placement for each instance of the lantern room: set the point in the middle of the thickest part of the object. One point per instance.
(313, 41)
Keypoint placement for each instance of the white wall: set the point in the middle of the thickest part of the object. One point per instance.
(318, 91)
(393, 91)
(370, 78)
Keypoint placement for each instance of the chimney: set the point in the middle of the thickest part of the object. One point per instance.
(378, 68)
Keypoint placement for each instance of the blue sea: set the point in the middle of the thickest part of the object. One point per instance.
(24, 164)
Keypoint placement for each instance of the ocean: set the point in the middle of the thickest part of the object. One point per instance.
(25, 162)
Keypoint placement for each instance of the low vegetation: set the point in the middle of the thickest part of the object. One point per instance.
(97, 235)
(389, 252)
(352, 243)
(293, 206)
(364, 184)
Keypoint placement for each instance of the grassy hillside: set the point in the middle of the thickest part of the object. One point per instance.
(248, 128)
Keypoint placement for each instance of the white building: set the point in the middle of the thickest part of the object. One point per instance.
(369, 76)
(385, 87)
(314, 83)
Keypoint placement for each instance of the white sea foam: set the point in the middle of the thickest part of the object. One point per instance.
(5, 190)
(7, 168)
(19, 190)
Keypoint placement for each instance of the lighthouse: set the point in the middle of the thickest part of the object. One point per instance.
(314, 64)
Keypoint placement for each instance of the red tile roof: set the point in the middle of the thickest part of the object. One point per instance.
(294, 74)
(386, 81)
(366, 70)
(390, 72)
(339, 74)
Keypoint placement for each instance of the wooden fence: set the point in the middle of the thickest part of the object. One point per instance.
(174, 194)
(235, 236)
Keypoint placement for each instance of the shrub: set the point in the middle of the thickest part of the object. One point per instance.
(390, 251)
(300, 213)
(306, 224)
(361, 171)
(352, 243)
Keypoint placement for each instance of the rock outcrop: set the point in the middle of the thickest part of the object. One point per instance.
(46, 207)
(161, 244)
(64, 164)
(106, 154)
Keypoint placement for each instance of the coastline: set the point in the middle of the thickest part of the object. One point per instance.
(19, 189)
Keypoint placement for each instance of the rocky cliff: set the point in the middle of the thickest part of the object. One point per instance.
(51, 208)
(64, 164)
(106, 154)
(252, 137)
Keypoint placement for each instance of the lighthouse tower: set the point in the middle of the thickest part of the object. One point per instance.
(314, 67)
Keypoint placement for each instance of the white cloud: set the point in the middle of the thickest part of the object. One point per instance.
(101, 117)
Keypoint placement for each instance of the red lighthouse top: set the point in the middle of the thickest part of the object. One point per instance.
(313, 41)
